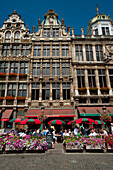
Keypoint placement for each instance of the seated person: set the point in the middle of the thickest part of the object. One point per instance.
(93, 133)
(65, 133)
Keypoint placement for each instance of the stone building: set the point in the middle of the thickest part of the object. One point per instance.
(53, 71)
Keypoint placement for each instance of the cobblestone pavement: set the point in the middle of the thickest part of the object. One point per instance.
(54, 161)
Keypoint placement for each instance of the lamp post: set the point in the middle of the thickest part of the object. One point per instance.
(42, 112)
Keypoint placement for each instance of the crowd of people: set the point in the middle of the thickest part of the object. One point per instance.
(59, 136)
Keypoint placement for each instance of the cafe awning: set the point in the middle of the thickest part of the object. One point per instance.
(94, 111)
(6, 115)
(51, 112)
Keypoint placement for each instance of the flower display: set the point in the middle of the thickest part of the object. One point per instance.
(9, 97)
(27, 142)
(1, 98)
(42, 117)
(104, 88)
(12, 74)
(22, 75)
(105, 117)
(109, 140)
(20, 98)
(82, 88)
(93, 88)
(2, 74)
(80, 142)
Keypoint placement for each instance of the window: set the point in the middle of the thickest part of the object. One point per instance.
(79, 52)
(45, 91)
(65, 69)
(105, 31)
(47, 32)
(17, 36)
(3, 67)
(56, 91)
(35, 91)
(56, 69)
(96, 32)
(5, 51)
(65, 50)
(2, 89)
(91, 78)
(25, 50)
(55, 50)
(11, 89)
(66, 91)
(22, 89)
(102, 78)
(46, 50)
(15, 50)
(105, 100)
(8, 36)
(14, 67)
(37, 50)
(24, 67)
(111, 77)
(89, 52)
(55, 32)
(80, 78)
(36, 69)
(46, 69)
(99, 52)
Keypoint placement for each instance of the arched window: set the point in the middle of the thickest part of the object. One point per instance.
(17, 36)
(7, 36)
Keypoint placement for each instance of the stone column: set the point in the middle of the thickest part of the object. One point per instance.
(84, 52)
(1, 46)
(29, 88)
(31, 69)
(51, 32)
(20, 48)
(32, 50)
(40, 92)
(10, 50)
(86, 81)
(73, 52)
(2, 122)
(104, 50)
(14, 116)
(60, 49)
(108, 81)
(69, 49)
(51, 68)
(61, 91)
(75, 82)
(71, 89)
(51, 49)
(42, 49)
(97, 81)
(94, 53)
(50, 91)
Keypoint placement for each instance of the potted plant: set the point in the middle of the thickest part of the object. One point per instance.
(2, 74)
(12, 74)
(22, 75)
(9, 97)
(82, 90)
(20, 98)
(1, 98)
(93, 90)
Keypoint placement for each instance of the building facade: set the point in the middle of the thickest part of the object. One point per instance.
(67, 74)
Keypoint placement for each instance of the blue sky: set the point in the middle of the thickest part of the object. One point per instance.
(76, 13)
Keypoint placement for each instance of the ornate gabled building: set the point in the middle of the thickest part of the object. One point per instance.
(67, 74)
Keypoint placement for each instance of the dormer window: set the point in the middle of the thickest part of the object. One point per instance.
(51, 19)
(26, 36)
(8, 25)
(18, 25)
(55, 32)
(8, 36)
(17, 36)
(47, 32)
(96, 32)
(105, 31)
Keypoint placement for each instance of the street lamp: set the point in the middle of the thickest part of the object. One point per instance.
(104, 109)
(42, 109)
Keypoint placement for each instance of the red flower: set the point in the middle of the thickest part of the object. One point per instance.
(2, 74)
(1, 98)
(20, 98)
(9, 98)
(22, 75)
(12, 74)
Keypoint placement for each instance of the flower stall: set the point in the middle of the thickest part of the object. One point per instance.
(109, 142)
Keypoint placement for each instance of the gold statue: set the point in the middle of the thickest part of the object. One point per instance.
(97, 7)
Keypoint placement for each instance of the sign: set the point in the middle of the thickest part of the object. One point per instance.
(49, 139)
